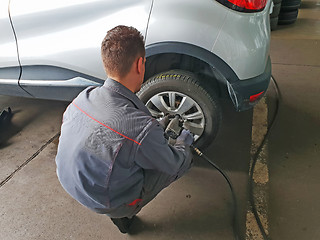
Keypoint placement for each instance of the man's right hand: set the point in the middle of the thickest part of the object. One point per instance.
(164, 122)
(186, 137)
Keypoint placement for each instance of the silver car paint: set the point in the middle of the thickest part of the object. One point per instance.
(69, 33)
(64, 33)
(195, 22)
(244, 42)
(240, 39)
(8, 53)
(8, 50)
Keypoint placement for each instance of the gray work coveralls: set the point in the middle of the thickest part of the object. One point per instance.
(112, 156)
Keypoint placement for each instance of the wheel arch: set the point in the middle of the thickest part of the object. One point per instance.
(166, 56)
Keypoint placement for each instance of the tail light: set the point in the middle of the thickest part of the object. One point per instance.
(245, 5)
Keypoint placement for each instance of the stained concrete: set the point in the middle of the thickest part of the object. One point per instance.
(33, 123)
(294, 145)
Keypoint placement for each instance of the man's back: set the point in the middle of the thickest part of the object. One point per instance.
(100, 125)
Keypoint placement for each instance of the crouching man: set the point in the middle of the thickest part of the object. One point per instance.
(112, 155)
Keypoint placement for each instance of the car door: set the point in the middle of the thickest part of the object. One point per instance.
(9, 62)
(59, 41)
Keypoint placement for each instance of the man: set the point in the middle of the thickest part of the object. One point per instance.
(112, 155)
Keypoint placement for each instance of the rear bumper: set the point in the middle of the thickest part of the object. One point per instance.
(241, 91)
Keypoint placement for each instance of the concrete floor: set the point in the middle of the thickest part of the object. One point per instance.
(294, 145)
(198, 206)
(34, 205)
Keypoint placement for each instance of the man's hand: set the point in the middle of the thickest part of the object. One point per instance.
(164, 122)
(186, 137)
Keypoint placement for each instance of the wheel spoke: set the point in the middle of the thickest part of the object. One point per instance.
(172, 100)
(155, 113)
(185, 105)
(193, 116)
(159, 102)
(195, 128)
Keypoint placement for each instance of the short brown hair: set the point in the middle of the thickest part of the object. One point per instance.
(120, 47)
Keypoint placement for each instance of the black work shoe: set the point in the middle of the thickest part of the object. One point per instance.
(123, 223)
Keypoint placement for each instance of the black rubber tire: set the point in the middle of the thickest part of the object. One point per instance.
(276, 10)
(288, 17)
(290, 5)
(274, 23)
(188, 84)
(276, 1)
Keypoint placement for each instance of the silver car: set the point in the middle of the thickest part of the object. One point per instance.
(196, 52)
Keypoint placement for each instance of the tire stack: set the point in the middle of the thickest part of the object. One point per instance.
(289, 11)
(274, 16)
(284, 12)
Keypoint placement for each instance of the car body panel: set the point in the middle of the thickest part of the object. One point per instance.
(239, 39)
(8, 49)
(187, 21)
(66, 82)
(10, 69)
(68, 34)
(244, 42)
(241, 91)
(57, 52)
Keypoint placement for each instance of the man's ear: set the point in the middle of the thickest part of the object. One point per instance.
(140, 64)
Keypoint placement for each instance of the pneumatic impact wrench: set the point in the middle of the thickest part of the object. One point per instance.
(172, 131)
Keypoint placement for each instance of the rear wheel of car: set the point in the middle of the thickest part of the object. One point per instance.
(180, 92)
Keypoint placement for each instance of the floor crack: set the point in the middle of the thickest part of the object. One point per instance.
(29, 159)
(292, 64)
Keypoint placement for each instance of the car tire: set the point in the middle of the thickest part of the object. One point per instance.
(274, 15)
(181, 92)
(274, 23)
(276, 1)
(276, 10)
(290, 5)
(288, 17)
